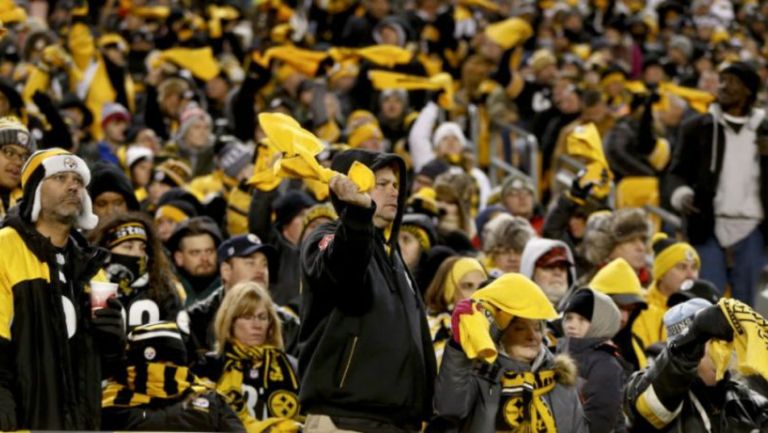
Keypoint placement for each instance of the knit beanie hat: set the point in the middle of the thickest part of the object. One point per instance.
(422, 228)
(12, 131)
(156, 342)
(746, 73)
(109, 178)
(233, 155)
(667, 253)
(136, 154)
(129, 231)
(515, 182)
(678, 318)
(172, 172)
(446, 129)
(289, 205)
(582, 302)
(114, 111)
(320, 210)
(191, 114)
(43, 164)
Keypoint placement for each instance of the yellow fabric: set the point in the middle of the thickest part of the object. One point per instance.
(299, 148)
(319, 190)
(509, 33)
(81, 45)
(203, 187)
(238, 203)
(394, 80)
(750, 340)
(217, 14)
(384, 55)
(199, 61)
(637, 191)
(152, 12)
(11, 13)
(113, 39)
(303, 60)
(648, 327)
(484, 4)
(585, 142)
(116, 394)
(172, 213)
(661, 154)
(511, 295)
(698, 99)
(645, 409)
(537, 417)
(368, 131)
(617, 278)
(101, 91)
(462, 267)
(672, 255)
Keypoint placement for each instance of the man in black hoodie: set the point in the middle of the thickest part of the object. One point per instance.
(366, 359)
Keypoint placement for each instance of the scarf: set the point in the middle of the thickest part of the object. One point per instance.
(150, 383)
(750, 341)
(264, 370)
(523, 408)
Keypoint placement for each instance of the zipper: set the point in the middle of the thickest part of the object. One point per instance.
(349, 362)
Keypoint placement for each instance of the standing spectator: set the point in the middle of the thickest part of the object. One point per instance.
(717, 180)
(193, 246)
(51, 343)
(590, 320)
(504, 241)
(111, 191)
(15, 146)
(518, 196)
(361, 310)
(115, 120)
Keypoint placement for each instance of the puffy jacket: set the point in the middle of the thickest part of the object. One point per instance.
(468, 395)
(669, 397)
(365, 347)
(49, 365)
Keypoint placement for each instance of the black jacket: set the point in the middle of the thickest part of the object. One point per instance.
(50, 368)
(364, 344)
(692, 166)
(206, 412)
(672, 383)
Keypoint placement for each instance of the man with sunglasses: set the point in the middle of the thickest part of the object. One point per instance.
(16, 144)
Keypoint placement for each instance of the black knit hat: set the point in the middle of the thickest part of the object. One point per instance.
(582, 302)
(156, 342)
(109, 178)
(289, 205)
(746, 73)
(691, 289)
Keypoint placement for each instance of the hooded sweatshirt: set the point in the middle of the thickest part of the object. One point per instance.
(537, 247)
(366, 351)
(602, 372)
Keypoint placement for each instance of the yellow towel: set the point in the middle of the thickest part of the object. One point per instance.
(585, 142)
(393, 80)
(199, 61)
(509, 33)
(509, 296)
(750, 340)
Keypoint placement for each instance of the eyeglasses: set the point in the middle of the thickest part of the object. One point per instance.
(12, 154)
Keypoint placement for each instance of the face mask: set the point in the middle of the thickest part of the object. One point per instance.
(125, 271)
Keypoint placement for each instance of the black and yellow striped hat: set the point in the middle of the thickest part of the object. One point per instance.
(156, 342)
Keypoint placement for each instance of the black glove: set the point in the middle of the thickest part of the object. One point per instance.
(708, 323)
(7, 411)
(579, 192)
(109, 329)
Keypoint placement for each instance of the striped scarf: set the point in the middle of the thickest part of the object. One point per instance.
(150, 383)
(523, 408)
(265, 369)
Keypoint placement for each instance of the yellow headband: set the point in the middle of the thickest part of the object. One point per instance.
(421, 236)
(172, 213)
(461, 268)
(613, 77)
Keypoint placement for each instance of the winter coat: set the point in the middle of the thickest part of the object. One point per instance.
(693, 167)
(50, 368)
(670, 397)
(365, 347)
(468, 394)
(627, 154)
(537, 247)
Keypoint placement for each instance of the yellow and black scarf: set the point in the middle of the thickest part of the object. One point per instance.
(523, 408)
(149, 383)
(266, 370)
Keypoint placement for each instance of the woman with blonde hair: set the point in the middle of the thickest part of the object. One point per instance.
(251, 370)
(456, 279)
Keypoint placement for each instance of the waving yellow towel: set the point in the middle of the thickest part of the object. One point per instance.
(750, 340)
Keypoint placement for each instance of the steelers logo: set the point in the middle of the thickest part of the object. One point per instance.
(513, 412)
(150, 353)
(284, 404)
(22, 138)
(70, 163)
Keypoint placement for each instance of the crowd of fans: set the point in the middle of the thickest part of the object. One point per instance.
(384, 216)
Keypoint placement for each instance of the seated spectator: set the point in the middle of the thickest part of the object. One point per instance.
(193, 247)
(15, 147)
(111, 191)
(518, 196)
(504, 242)
(549, 264)
(417, 236)
(157, 392)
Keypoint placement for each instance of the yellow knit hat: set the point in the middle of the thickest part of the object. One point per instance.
(363, 133)
(618, 280)
(668, 253)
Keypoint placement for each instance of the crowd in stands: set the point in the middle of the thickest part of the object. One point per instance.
(435, 216)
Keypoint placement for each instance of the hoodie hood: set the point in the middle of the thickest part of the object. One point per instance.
(537, 247)
(606, 318)
(373, 160)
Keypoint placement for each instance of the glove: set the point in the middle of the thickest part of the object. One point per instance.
(465, 306)
(579, 192)
(708, 323)
(7, 411)
(109, 329)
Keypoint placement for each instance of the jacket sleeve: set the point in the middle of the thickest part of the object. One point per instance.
(243, 102)
(654, 397)
(456, 387)
(7, 369)
(556, 221)
(260, 214)
(228, 421)
(623, 153)
(681, 168)
(336, 261)
(420, 137)
(602, 396)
